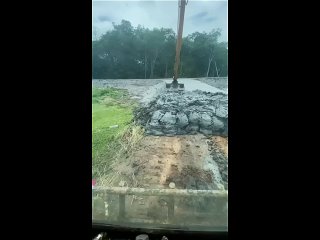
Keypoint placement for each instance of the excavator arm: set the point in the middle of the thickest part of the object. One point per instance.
(175, 84)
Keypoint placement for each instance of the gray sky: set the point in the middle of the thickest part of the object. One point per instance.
(200, 15)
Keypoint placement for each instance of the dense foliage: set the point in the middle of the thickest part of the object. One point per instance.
(128, 52)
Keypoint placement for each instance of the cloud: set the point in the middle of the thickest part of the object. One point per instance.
(199, 15)
(211, 19)
(104, 19)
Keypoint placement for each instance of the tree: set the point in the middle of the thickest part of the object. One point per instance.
(141, 47)
(154, 40)
(203, 45)
(221, 59)
(166, 53)
(128, 52)
(94, 34)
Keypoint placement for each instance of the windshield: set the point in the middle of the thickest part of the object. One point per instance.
(160, 114)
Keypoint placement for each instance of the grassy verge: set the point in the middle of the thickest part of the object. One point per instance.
(111, 146)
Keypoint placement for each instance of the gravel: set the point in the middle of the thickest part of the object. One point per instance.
(147, 90)
(201, 107)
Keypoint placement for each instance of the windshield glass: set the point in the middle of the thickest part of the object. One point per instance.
(160, 114)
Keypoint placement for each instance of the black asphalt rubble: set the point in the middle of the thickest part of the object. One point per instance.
(176, 113)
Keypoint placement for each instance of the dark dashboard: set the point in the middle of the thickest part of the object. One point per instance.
(113, 232)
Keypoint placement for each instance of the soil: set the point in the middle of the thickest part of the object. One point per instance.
(159, 160)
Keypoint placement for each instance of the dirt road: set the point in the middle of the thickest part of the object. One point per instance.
(183, 160)
(146, 90)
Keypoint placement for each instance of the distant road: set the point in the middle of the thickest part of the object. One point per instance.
(147, 89)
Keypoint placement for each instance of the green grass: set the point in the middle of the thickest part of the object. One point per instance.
(99, 94)
(102, 118)
(109, 145)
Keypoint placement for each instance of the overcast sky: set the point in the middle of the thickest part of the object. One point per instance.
(200, 15)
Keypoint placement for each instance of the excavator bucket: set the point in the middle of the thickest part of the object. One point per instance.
(175, 86)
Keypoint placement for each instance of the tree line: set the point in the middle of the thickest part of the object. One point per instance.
(128, 52)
